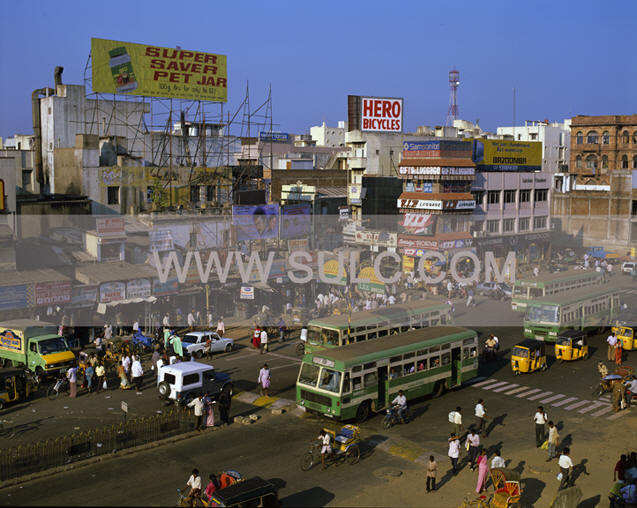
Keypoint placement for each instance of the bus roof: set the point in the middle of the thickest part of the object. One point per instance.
(394, 313)
(368, 350)
(551, 277)
(574, 295)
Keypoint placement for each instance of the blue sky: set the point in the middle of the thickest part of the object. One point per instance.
(563, 57)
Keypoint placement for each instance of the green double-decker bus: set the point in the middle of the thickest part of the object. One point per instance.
(552, 284)
(349, 382)
(582, 309)
(335, 331)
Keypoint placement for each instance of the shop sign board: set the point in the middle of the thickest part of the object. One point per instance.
(47, 293)
(112, 292)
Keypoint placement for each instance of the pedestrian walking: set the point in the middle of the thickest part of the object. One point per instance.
(619, 350)
(455, 418)
(631, 389)
(617, 394)
(99, 346)
(210, 413)
(454, 452)
(126, 362)
(138, 374)
(71, 375)
(470, 301)
(432, 470)
(473, 447)
(483, 470)
(191, 319)
(177, 346)
(264, 380)
(566, 468)
(224, 403)
(154, 359)
(540, 418)
(197, 404)
(221, 327)
(498, 461)
(264, 341)
(481, 417)
(100, 372)
(256, 337)
(123, 377)
(553, 441)
(612, 342)
(89, 372)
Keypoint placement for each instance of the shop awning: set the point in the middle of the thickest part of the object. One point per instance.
(99, 273)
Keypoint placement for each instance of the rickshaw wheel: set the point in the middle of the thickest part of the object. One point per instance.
(307, 462)
(545, 366)
(585, 355)
(517, 372)
(353, 455)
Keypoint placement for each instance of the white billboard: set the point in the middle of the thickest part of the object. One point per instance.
(381, 114)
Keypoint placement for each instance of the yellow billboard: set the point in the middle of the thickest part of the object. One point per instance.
(140, 69)
(507, 155)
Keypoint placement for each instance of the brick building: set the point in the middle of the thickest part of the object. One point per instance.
(595, 202)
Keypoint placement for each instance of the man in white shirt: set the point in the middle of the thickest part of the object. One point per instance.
(136, 326)
(191, 319)
(566, 468)
(326, 448)
(126, 362)
(456, 421)
(304, 334)
(401, 404)
(197, 404)
(138, 373)
(553, 441)
(612, 343)
(392, 300)
(108, 332)
(497, 461)
(631, 387)
(221, 327)
(264, 341)
(473, 440)
(481, 415)
(194, 483)
(166, 321)
(541, 419)
(454, 452)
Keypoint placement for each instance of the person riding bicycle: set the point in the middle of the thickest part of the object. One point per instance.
(400, 404)
(194, 482)
(326, 448)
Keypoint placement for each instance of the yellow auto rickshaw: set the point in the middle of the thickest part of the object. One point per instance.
(571, 345)
(528, 356)
(627, 335)
(15, 386)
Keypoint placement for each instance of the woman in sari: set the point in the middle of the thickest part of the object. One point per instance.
(123, 378)
(483, 469)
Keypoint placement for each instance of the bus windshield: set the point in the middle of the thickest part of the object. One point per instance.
(330, 380)
(547, 313)
(309, 375)
(49, 346)
(320, 336)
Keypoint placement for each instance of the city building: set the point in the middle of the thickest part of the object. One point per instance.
(329, 136)
(554, 136)
(595, 202)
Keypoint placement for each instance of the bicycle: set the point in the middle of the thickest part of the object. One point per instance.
(60, 386)
(196, 501)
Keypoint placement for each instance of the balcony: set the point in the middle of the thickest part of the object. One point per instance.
(357, 162)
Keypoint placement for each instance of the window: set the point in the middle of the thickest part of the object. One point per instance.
(478, 196)
(625, 137)
(539, 222)
(113, 195)
(191, 379)
(635, 162)
(493, 197)
(26, 180)
(194, 193)
(579, 138)
(624, 162)
(540, 195)
(508, 225)
(578, 161)
(493, 226)
(523, 223)
(591, 162)
(604, 161)
(525, 196)
(605, 138)
(509, 196)
(369, 379)
(211, 193)
(592, 138)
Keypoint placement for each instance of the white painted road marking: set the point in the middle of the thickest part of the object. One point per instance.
(593, 405)
(551, 399)
(502, 388)
(487, 382)
(603, 411)
(493, 386)
(524, 394)
(516, 390)
(540, 395)
(577, 404)
(562, 402)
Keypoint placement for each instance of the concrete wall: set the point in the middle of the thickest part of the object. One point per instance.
(8, 175)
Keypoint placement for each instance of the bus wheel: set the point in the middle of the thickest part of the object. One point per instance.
(440, 388)
(362, 413)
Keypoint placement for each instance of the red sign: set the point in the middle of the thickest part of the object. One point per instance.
(47, 293)
(381, 114)
(114, 226)
(417, 222)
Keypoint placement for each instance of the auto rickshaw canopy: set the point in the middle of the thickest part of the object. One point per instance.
(571, 338)
(531, 345)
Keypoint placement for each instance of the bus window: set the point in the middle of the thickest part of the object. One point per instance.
(370, 379)
(434, 348)
(407, 356)
(468, 342)
(394, 372)
(434, 362)
(410, 368)
(359, 338)
(357, 368)
(422, 352)
(330, 337)
(357, 383)
(443, 319)
(404, 329)
(535, 292)
(395, 359)
(394, 331)
(474, 352)
(359, 329)
(330, 380)
(446, 358)
(309, 374)
(421, 365)
(434, 322)
(465, 353)
(347, 387)
(372, 335)
(382, 333)
(370, 365)
(314, 335)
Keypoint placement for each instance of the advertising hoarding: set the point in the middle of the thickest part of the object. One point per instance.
(255, 222)
(47, 293)
(437, 204)
(161, 240)
(296, 221)
(153, 71)
(411, 171)
(110, 226)
(436, 148)
(277, 137)
(381, 114)
(417, 223)
(507, 155)
(138, 288)
(84, 295)
(15, 297)
(112, 292)
(246, 293)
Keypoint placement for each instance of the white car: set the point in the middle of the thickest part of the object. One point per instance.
(194, 343)
(183, 381)
(628, 267)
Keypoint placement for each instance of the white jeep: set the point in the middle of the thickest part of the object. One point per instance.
(183, 381)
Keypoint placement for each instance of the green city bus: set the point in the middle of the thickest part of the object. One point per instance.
(582, 309)
(332, 331)
(349, 382)
(552, 284)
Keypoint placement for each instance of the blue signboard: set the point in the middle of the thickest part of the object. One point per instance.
(296, 221)
(256, 221)
(14, 297)
(279, 137)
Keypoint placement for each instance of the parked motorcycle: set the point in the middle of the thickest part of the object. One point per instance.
(392, 417)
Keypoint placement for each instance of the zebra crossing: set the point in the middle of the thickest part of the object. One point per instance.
(600, 407)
